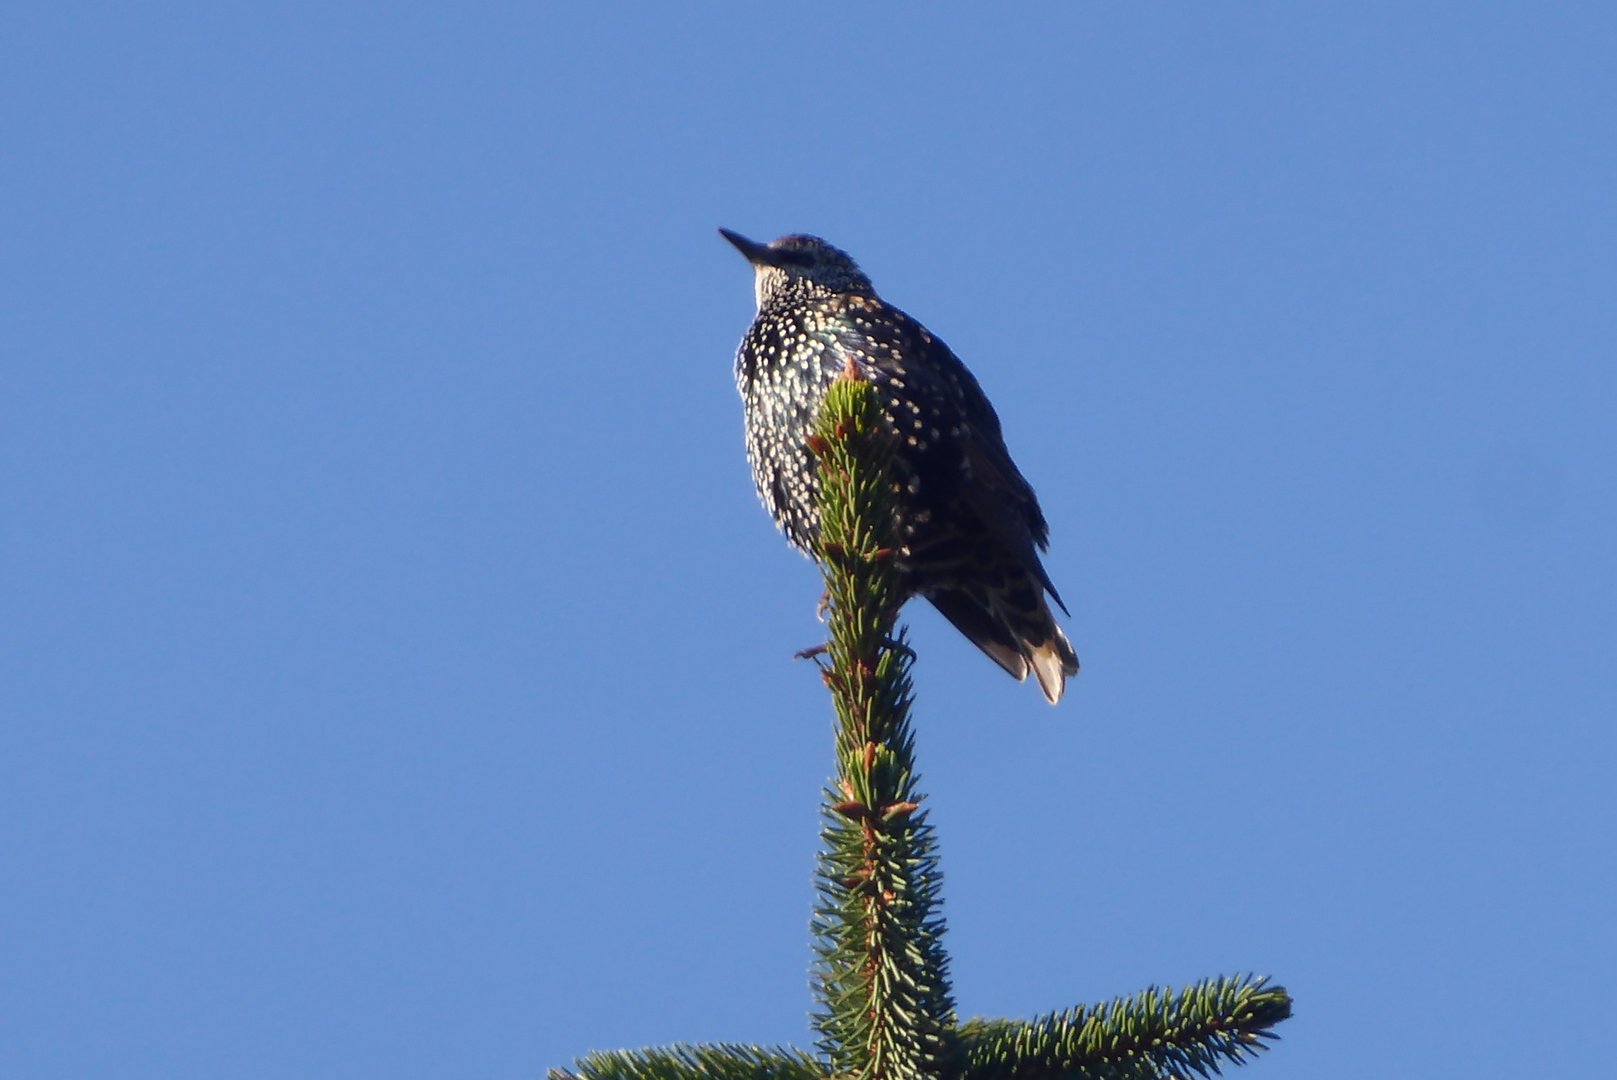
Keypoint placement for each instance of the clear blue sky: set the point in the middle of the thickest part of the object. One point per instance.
(394, 660)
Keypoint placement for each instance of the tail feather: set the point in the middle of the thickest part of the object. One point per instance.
(1052, 662)
(1019, 637)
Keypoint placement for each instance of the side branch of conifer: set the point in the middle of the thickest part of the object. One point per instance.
(1152, 1035)
(716, 1061)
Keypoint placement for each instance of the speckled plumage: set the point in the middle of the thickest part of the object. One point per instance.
(972, 525)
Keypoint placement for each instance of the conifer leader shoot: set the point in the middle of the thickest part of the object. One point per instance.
(972, 526)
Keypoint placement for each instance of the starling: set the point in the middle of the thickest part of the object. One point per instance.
(972, 526)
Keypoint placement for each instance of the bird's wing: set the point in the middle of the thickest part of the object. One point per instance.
(985, 478)
(985, 442)
(1004, 503)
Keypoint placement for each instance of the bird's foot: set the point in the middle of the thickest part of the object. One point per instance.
(899, 647)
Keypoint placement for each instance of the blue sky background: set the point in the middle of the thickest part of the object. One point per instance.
(394, 661)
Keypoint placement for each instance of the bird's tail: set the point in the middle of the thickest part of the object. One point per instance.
(1010, 621)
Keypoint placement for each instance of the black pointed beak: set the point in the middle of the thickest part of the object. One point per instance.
(756, 253)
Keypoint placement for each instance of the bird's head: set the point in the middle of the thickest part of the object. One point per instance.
(799, 263)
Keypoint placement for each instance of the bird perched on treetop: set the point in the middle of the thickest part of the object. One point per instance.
(972, 526)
